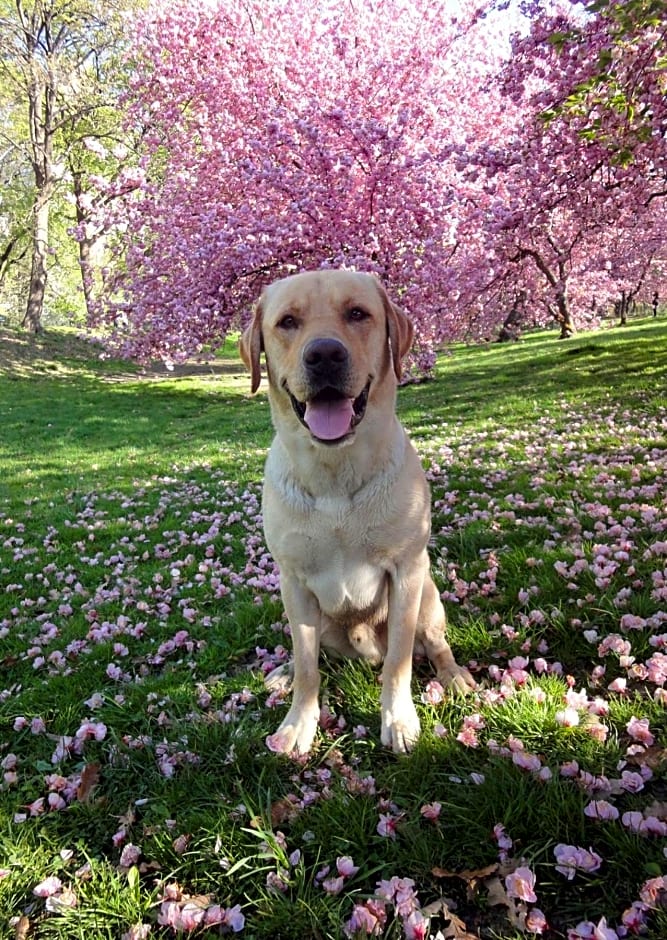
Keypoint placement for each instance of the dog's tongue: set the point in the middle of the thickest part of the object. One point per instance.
(329, 419)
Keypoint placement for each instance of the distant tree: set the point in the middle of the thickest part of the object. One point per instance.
(52, 59)
(566, 194)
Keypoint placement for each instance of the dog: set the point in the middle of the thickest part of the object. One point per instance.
(346, 503)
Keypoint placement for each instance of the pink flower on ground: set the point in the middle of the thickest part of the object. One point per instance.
(431, 811)
(416, 926)
(654, 892)
(536, 922)
(346, 867)
(433, 694)
(333, 885)
(368, 918)
(277, 742)
(137, 932)
(601, 809)
(638, 729)
(130, 855)
(233, 918)
(503, 840)
(520, 884)
(48, 887)
(387, 826)
(634, 918)
(567, 717)
(526, 761)
(571, 858)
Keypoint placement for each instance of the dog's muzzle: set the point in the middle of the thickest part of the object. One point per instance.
(330, 415)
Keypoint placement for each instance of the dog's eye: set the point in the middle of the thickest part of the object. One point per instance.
(357, 314)
(288, 322)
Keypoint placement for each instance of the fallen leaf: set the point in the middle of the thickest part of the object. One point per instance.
(657, 808)
(22, 928)
(90, 776)
(283, 811)
(496, 892)
(453, 927)
(652, 757)
(468, 874)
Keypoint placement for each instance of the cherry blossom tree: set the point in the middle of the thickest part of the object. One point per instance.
(389, 137)
(278, 139)
(569, 204)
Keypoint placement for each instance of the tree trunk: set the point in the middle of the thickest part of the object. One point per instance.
(85, 246)
(563, 316)
(38, 273)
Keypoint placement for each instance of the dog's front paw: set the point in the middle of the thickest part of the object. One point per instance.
(297, 732)
(457, 679)
(400, 726)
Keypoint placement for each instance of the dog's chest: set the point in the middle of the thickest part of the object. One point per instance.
(331, 551)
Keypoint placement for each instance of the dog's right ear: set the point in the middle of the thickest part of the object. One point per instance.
(251, 345)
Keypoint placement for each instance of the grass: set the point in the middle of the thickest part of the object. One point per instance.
(138, 608)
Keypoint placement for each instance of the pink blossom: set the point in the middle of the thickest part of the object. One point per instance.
(520, 884)
(536, 922)
(346, 867)
(431, 811)
(130, 855)
(504, 842)
(48, 887)
(368, 919)
(387, 826)
(433, 694)
(415, 926)
(567, 717)
(601, 809)
(137, 932)
(638, 729)
(333, 885)
(527, 761)
(571, 858)
(654, 892)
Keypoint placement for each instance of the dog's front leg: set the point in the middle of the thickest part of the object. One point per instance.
(297, 731)
(400, 723)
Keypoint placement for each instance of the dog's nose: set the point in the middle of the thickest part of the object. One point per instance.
(325, 356)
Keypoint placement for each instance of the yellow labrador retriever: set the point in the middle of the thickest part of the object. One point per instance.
(346, 503)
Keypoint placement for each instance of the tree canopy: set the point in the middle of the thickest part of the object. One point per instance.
(495, 167)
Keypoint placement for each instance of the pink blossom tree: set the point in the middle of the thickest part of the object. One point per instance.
(568, 202)
(390, 138)
(276, 139)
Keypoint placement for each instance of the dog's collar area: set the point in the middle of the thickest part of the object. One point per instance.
(330, 416)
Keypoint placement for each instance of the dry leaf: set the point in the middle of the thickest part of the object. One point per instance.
(283, 811)
(22, 928)
(454, 928)
(90, 776)
(496, 892)
(468, 874)
(652, 757)
(657, 808)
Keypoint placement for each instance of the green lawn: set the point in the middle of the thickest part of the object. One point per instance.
(139, 610)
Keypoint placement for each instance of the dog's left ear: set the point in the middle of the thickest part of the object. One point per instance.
(251, 345)
(400, 331)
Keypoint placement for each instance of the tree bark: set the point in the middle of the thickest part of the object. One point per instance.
(85, 246)
(38, 271)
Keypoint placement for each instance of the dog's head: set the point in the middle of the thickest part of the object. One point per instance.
(333, 342)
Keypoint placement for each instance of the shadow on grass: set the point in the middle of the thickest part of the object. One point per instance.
(141, 427)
